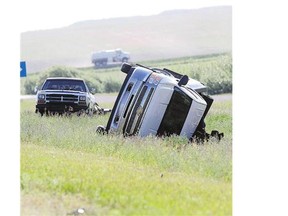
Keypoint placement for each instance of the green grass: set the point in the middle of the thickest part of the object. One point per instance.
(66, 165)
(215, 71)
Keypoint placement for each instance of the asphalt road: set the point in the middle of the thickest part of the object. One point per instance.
(106, 98)
(222, 97)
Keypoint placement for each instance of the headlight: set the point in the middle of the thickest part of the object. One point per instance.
(82, 98)
(41, 96)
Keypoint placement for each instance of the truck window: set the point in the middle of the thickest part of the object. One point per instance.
(74, 85)
(175, 114)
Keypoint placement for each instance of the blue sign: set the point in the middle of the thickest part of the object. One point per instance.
(23, 69)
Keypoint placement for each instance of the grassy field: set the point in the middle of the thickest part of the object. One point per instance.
(65, 165)
(215, 71)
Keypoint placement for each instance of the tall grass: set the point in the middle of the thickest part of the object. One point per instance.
(67, 165)
(171, 154)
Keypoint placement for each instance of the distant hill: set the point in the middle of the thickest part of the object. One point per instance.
(170, 34)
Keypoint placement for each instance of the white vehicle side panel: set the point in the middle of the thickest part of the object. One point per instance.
(156, 110)
(194, 116)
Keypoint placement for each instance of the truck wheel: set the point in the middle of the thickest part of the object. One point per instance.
(41, 112)
(100, 129)
(80, 112)
(104, 63)
(217, 135)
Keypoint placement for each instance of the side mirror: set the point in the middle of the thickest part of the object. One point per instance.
(125, 68)
(35, 89)
(93, 91)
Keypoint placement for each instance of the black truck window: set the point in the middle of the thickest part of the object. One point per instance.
(62, 84)
(175, 114)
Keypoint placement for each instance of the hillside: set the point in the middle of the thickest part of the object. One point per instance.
(170, 34)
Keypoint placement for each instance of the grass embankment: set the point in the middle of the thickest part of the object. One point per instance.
(215, 71)
(66, 165)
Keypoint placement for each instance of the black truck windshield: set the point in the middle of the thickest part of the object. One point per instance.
(63, 84)
(175, 114)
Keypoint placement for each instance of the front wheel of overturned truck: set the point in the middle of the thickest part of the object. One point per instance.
(100, 129)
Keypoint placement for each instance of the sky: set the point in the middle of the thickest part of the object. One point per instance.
(38, 15)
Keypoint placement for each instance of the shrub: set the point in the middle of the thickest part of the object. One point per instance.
(219, 87)
(92, 85)
(58, 71)
(111, 86)
(29, 87)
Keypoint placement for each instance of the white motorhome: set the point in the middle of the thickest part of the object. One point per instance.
(160, 102)
(106, 57)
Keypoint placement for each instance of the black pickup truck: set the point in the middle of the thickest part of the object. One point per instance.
(63, 94)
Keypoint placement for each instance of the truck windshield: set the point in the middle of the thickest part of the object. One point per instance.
(175, 114)
(62, 84)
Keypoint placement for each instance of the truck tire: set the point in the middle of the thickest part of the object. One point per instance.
(100, 129)
(97, 64)
(124, 59)
(41, 112)
(101, 62)
(104, 63)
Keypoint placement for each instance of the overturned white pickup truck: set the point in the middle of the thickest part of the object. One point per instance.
(160, 102)
(106, 57)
